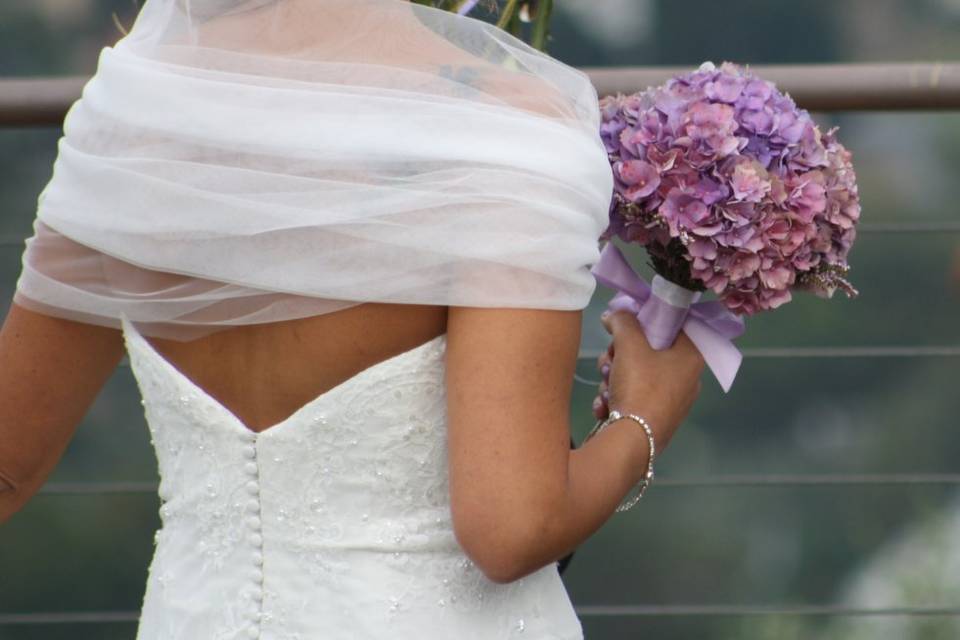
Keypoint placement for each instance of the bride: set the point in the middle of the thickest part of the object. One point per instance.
(346, 247)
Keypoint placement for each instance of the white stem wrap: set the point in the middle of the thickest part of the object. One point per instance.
(674, 294)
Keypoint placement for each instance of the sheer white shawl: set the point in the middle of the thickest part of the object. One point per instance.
(246, 161)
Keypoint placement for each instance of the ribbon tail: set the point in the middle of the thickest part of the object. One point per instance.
(718, 352)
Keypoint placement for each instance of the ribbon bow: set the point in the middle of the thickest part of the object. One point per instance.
(709, 325)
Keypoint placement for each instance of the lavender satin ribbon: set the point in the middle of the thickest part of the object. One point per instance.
(709, 325)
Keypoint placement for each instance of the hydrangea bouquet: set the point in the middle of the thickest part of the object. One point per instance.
(731, 188)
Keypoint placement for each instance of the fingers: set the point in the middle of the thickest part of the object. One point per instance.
(624, 322)
(605, 320)
(601, 402)
(604, 360)
(600, 411)
(670, 375)
(625, 329)
(610, 319)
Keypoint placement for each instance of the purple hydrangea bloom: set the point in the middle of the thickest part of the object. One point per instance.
(731, 188)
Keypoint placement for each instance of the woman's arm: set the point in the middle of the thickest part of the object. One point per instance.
(51, 370)
(520, 497)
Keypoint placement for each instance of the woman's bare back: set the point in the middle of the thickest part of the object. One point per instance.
(264, 373)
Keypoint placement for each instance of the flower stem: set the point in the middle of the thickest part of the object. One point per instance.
(509, 12)
(541, 28)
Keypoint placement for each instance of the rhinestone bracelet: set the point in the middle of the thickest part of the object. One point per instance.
(635, 493)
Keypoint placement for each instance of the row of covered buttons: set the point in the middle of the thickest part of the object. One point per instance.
(255, 537)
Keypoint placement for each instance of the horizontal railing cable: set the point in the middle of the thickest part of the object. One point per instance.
(799, 480)
(940, 226)
(715, 481)
(43, 101)
(586, 611)
(97, 488)
(947, 351)
(760, 610)
(64, 617)
(916, 351)
(853, 352)
(789, 352)
(823, 87)
(14, 241)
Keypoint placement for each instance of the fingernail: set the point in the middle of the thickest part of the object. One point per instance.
(606, 395)
(605, 315)
(597, 403)
(605, 369)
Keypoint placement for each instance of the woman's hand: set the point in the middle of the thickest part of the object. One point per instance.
(661, 386)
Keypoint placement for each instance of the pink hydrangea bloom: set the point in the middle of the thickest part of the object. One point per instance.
(731, 187)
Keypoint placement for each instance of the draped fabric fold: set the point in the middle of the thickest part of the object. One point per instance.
(246, 161)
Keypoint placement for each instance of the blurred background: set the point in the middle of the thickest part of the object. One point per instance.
(828, 477)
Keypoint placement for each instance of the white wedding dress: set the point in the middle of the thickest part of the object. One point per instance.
(333, 524)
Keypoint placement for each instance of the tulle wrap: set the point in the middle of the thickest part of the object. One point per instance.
(240, 162)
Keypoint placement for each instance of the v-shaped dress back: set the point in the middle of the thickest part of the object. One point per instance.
(332, 524)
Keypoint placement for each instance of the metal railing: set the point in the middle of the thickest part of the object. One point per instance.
(43, 102)
(826, 87)
(62, 489)
(849, 87)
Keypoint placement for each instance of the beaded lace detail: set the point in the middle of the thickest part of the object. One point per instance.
(334, 523)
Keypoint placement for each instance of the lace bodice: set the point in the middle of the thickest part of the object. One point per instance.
(333, 524)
